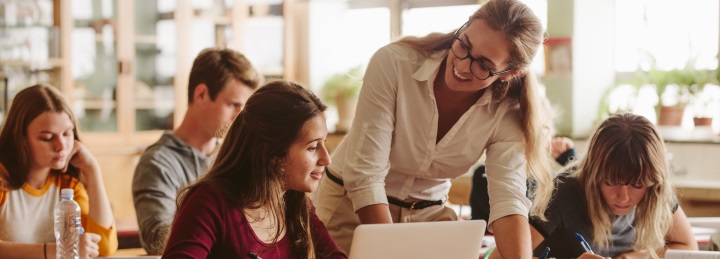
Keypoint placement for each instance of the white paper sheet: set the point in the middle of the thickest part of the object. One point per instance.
(681, 254)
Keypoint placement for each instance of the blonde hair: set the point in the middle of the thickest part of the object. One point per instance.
(525, 33)
(627, 149)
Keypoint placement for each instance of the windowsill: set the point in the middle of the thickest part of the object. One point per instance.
(699, 135)
(677, 134)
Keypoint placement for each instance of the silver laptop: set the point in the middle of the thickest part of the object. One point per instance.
(440, 239)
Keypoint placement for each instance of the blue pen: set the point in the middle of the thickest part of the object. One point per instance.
(545, 253)
(583, 243)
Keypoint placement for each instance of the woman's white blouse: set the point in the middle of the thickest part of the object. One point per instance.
(391, 148)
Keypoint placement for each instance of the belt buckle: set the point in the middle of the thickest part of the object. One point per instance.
(412, 206)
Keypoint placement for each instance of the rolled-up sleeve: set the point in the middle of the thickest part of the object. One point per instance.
(108, 243)
(154, 196)
(506, 169)
(368, 144)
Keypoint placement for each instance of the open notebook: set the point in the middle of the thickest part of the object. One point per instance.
(440, 239)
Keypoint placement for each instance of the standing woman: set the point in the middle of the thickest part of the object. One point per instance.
(428, 109)
(41, 154)
(252, 203)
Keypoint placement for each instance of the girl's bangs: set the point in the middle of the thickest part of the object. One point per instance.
(628, 168)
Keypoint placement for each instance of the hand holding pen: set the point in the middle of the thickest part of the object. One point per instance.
(545, 253)
(584, 244)
(589, 254)
(592, 256)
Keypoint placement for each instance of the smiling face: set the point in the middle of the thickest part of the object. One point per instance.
(484, 44)
(50, 138)
(621, 199)
(307, 157)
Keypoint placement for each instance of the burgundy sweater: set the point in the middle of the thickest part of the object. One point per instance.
(208, 227)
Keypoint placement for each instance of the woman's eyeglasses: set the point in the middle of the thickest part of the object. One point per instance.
(462, 51)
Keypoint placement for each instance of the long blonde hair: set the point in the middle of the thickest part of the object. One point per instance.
(627, 149)
(525, 33)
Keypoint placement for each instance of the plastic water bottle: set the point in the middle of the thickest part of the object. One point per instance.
(67, 226)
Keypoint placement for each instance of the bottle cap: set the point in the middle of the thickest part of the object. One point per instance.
(67, 193)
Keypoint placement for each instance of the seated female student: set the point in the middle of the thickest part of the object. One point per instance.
(252, 203)
(618, 198)
(41, 154)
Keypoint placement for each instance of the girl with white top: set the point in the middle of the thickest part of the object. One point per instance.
(41, 154)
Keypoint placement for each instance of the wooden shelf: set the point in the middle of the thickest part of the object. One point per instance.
(151, 105)
(25, 26)
(142, 39)
(98, 104)
(49, 63)
(146, 39)
(139, 105)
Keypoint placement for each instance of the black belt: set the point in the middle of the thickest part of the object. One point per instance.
(334, 178)
(417, 205)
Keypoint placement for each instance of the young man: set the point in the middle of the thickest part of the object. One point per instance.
(221, 81)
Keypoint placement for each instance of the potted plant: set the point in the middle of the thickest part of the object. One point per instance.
(342, 90)
(701, 101)
(672, 89)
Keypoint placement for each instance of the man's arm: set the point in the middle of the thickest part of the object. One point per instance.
(154, 196)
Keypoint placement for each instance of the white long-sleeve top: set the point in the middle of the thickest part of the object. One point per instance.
(391, 148)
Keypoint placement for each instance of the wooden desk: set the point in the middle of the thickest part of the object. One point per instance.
(128, 233)
(132, 253)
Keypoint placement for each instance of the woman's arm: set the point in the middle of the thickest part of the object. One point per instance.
(366, 159)
(680, 237)
(375, 214)
(535, 239)
(101, 234)
(506, 170)
(512, 236)
(91, 177)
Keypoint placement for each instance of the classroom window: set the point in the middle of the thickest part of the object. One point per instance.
(665, 34)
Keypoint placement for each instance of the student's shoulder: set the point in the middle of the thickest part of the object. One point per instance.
(65, 181)
(4, 179)
(166, 150)
(206, 191)
(567, 186)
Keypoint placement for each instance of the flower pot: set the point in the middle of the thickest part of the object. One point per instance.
(346, 112)
(703, 121)
(671, 115)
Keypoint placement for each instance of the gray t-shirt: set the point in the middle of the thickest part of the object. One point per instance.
(567, 214)
(164, 168)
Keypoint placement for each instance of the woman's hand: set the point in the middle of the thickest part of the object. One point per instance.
(560, 145)
(632, 255)
(81, 158)
(88, 247)
(591, 256)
